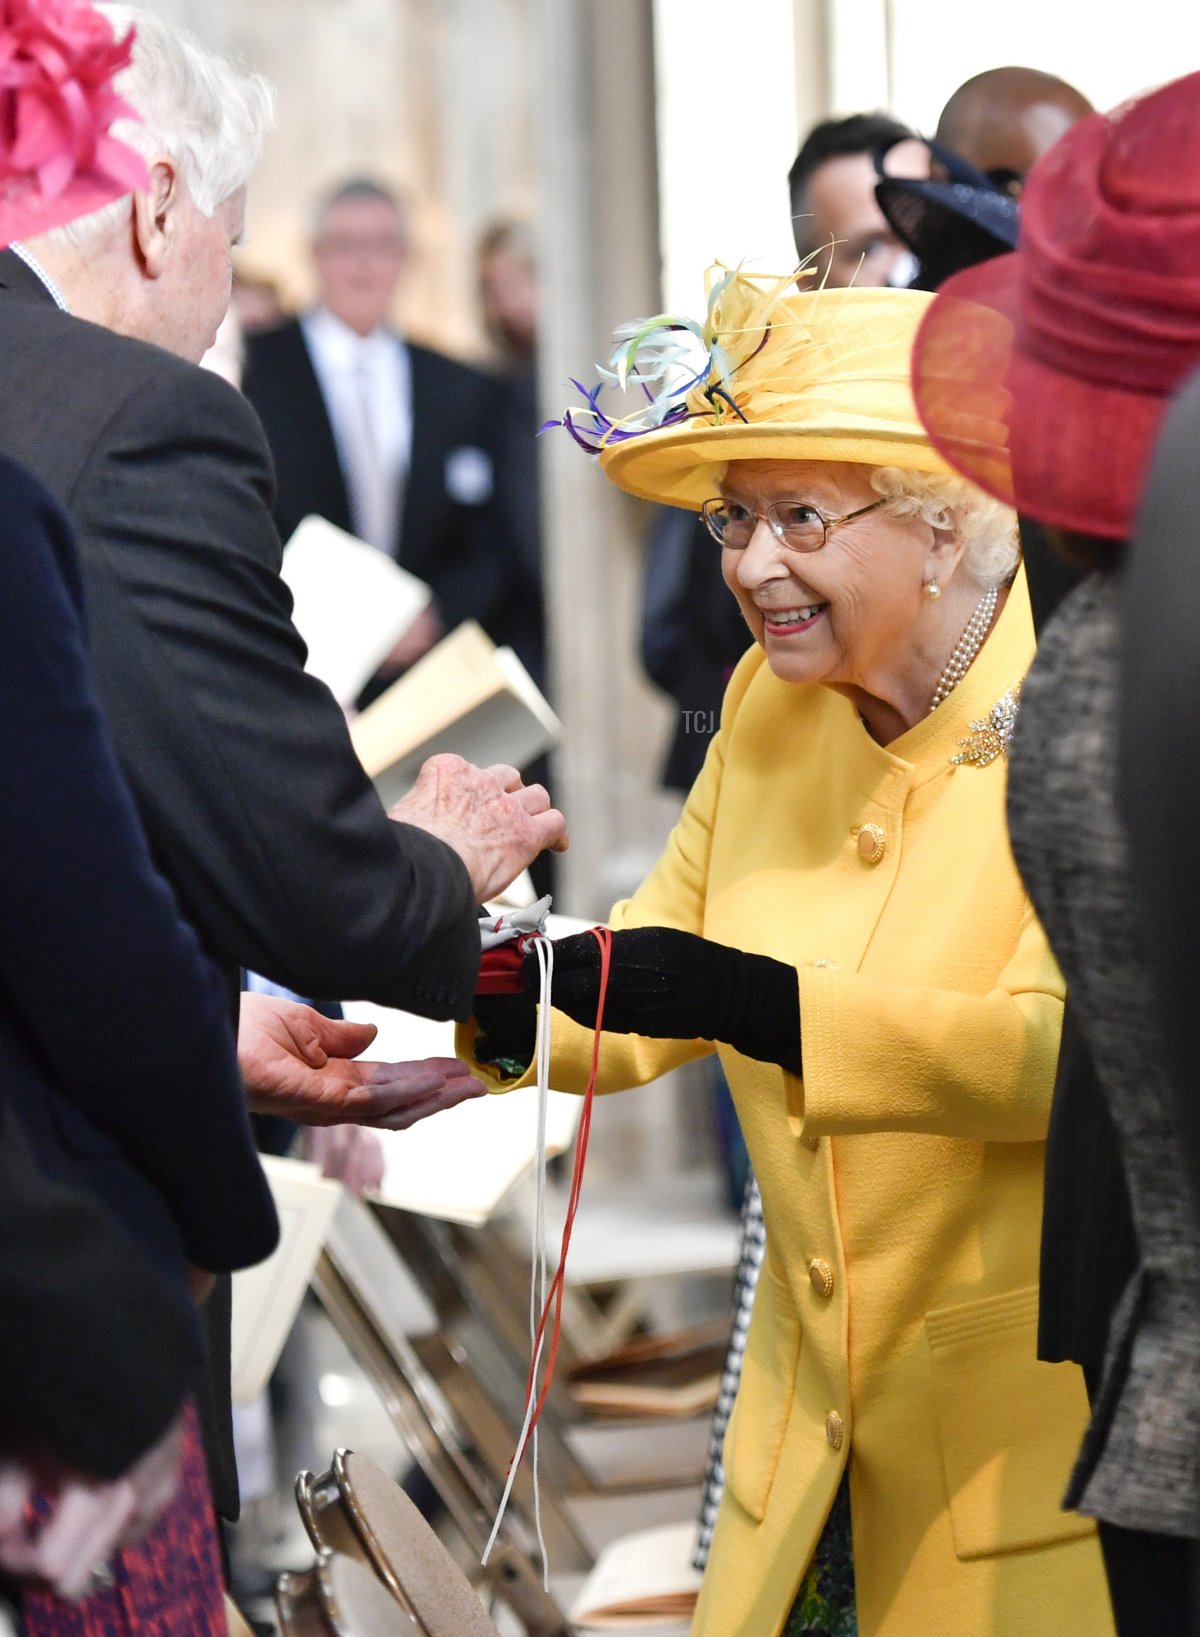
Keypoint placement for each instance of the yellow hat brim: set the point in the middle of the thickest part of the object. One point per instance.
(682, 467)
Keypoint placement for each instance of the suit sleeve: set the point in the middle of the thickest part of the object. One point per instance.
(116, 1000)
(98, 1349)
(240, 762)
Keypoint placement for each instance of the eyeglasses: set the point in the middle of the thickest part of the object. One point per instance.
(798, 525)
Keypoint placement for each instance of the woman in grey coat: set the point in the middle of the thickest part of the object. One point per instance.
(1075, 344)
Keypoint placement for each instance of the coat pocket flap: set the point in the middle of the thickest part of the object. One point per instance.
(756, 1433)
(1010, 1426)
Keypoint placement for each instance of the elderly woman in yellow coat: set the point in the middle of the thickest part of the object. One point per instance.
(839, 912)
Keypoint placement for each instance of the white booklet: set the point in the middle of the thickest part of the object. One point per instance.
(266, 1299)
(643, 1582)
(465, 695)
(352, 604)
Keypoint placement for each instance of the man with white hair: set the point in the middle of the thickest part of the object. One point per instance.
(254, 802)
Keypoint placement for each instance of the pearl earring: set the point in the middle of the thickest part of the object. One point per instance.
(932, 590)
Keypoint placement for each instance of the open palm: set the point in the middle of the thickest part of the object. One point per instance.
(303, 1066)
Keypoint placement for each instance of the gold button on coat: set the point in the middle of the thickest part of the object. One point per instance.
(872, 843)
(835, 1430)
(821, 1276)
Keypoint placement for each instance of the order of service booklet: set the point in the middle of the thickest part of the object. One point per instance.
(466, 696)
(643, 1582)
(678, 1374)
(266, 1299)
(351, 604)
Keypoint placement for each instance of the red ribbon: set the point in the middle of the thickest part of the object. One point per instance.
(554, 1298)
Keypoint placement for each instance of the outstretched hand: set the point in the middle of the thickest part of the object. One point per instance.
(300, 1064)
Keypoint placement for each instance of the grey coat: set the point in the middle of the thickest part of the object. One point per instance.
(1139, 1463)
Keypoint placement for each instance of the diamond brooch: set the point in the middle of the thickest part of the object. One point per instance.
(992, 736)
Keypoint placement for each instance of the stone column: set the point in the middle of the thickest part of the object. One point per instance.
(599, 260)
(812, 36)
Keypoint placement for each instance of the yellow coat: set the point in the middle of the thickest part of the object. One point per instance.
(901, 1178)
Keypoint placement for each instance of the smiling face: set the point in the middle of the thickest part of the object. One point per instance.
(849, 614)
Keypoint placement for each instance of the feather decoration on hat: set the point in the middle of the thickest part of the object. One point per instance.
(686, 369)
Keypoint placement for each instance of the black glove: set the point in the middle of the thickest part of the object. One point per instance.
(672, 985)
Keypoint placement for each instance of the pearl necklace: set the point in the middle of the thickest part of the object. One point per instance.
(969, 644)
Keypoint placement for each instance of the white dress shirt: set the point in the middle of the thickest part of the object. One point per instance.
(366, 382)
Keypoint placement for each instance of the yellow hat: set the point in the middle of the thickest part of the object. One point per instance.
(770, 374)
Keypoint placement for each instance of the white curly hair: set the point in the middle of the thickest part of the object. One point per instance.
(988, 527)
(206, 113)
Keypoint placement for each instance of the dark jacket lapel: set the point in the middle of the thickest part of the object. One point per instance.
(282, 385)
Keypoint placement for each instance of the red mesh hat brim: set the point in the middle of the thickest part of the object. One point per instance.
(1077, 450)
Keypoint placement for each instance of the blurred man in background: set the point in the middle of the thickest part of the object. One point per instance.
(835, 218)
(1004, 120)
(392, 441)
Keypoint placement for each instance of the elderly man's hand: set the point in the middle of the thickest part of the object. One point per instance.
(496, 824)
(297, 1063)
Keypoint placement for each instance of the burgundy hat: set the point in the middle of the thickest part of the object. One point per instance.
(1075, 342)
(57, 159)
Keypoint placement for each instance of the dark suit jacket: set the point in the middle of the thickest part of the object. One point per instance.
(115, 1047)
(255, 805)
(520, 620)
(117, 1065)
(459, 549)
